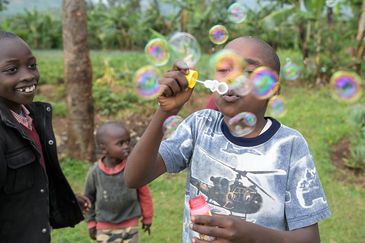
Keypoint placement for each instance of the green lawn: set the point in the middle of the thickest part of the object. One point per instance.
(321, 119)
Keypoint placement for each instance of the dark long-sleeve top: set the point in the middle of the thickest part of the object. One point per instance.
(114, 204)
(33, 195)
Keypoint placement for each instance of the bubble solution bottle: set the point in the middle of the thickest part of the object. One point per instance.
(198, 206)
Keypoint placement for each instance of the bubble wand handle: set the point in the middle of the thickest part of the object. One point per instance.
(192, 77)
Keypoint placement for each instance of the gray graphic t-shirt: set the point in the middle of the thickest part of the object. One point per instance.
(270, 180)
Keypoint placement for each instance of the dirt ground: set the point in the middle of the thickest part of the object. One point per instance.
(339, 154)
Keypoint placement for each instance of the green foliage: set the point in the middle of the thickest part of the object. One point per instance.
(3, 4)
(39, 29)
(357, 149)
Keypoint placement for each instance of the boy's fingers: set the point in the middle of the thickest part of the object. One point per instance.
(181, 66)
(179, 78)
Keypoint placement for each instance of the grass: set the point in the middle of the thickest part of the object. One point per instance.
(321, 119)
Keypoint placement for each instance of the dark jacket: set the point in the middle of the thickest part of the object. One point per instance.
(32, 199)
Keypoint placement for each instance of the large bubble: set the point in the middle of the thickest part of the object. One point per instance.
(185, 47)
(218, 34)
(346, 86)
(242, 124)
(290, 71)
(264, 82)
(226, 65)
(157, 51)
(277, 106)
(236, 13)
(241, 85)
(146, 82)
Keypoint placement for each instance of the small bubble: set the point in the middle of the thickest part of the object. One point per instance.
(236, 13)
(264, 82)
(157, 52)
(290, 71)
(218, 34)
(277, 106)
(346, 86)
(146, 82)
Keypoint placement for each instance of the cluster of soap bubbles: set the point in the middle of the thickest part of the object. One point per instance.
(180, 46)
(263, 83)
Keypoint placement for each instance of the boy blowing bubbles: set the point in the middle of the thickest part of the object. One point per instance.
(34, 194)
(262, 187)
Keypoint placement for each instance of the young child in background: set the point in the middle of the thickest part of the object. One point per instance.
(261, 187)
(34, 194)
(116, 208)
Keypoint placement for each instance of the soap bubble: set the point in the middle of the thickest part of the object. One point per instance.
(236, 13)
(157, 51)
(218, 34)
(185, 47)
(146, 82)
(242, 124)
(346, 86)
(264, 82)
(277, 106)
(241, 85)
(226, 65)
(290, 71)
(170, 125)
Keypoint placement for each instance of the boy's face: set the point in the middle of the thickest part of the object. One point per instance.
(117, 145)
(230, 104)
(19, 75)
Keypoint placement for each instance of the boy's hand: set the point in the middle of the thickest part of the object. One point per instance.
(234, 229)
(175, 91)
(84, 202)
(92, 233)
(146, 228)
(224, 228)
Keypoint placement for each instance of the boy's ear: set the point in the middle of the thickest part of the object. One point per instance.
(102, 149)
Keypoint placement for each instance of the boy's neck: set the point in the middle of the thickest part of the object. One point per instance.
(110, 162)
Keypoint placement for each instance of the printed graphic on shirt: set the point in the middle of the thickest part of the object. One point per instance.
(309, 190)
(239, 194)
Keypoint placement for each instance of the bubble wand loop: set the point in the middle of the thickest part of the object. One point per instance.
(213, 85)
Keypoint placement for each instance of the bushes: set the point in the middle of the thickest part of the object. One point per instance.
(357, 148)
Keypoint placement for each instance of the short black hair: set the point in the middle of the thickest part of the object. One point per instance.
(269, 55)
(104, 129)
(7, 35)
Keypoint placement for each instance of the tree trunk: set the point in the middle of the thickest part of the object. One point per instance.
(360, 51)
(78, 80)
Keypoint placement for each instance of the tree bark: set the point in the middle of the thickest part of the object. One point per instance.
(78, 81)
(359, 53)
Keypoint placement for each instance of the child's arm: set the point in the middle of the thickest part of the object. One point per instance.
(145, 163)
(234, 229)
(90, 193)
(145, 200)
